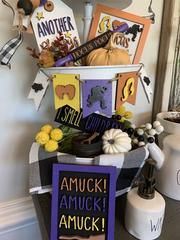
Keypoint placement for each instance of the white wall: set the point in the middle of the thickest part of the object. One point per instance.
(19, 121)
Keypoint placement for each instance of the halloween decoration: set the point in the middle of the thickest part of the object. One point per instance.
(126, 90)
(87, 145)
(52, 18)
(134, 30)
(116, 141)
(93, 205)
(66, 90)
(37, 87)
(122, 115)
(97, 96)
(108, 55)
(108, 18)
(86, 48)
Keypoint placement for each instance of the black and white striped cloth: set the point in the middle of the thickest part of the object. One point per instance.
(128, 167)
(9, 49)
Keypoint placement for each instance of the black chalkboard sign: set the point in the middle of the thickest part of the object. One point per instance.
(93, 123)
(83, 202)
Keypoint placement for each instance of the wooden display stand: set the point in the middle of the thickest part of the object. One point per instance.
(170, 228)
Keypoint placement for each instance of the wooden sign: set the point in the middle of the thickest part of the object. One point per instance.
(92, 123)
(66, 90)
(108, 18)
(48, 23)
(126, 88)
(97, 97)
(83, 202)
(69, 116)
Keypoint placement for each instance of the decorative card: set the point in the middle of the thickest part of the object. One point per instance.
(39, 88)
(92, 123)
(126, 88)
(146, 83)
(83, 202)
(97, 96)
(68, 116)
(53, 22)
(66, 90)
(107, 18)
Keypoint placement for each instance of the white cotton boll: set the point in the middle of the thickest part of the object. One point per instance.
(148, 126)
(152, 132)
(140, 144)
(135, 141)
(156, 123)
(159, 129)
(133, 126)
(140, 131)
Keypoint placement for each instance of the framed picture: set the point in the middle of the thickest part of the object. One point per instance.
(107, 18)
(83, 202)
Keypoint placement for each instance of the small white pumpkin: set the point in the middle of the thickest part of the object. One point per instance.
(116, 141)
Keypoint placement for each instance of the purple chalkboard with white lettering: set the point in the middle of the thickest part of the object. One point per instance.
(83, 202)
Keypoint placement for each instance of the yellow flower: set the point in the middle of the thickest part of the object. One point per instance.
(121, 111)
(128, 115)
(56, 134)
(46, 128)
(42, 137)
(51, 146)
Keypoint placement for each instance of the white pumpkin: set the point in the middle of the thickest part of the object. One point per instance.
(116, 141)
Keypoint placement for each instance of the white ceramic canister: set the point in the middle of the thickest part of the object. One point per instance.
(168, 178)
(145, 208)
(169, 127)
(144, 217)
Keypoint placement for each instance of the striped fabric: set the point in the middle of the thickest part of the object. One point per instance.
(128, 167)
(9, 49)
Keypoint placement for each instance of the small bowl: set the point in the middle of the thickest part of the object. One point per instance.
(84, 149)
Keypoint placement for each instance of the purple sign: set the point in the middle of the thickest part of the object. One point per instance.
(97, 96)
(83, 202)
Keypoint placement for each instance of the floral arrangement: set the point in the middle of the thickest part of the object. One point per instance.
(55, 139)
(114, 141)
(122, 115)
(49, 137)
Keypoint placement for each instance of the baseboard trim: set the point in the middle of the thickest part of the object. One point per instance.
(17, 214)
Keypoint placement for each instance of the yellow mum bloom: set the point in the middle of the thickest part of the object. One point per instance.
(46, 128)
(51, 146)
(128, 115)
(42, 137)
(56, 134)
(121, 111)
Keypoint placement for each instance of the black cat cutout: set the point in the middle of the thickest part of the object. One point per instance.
(134, 31)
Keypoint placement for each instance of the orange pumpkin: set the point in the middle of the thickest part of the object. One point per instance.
(108, 55)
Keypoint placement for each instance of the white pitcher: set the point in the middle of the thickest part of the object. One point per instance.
(168, 178)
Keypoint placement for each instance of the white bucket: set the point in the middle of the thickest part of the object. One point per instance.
(168, 178)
